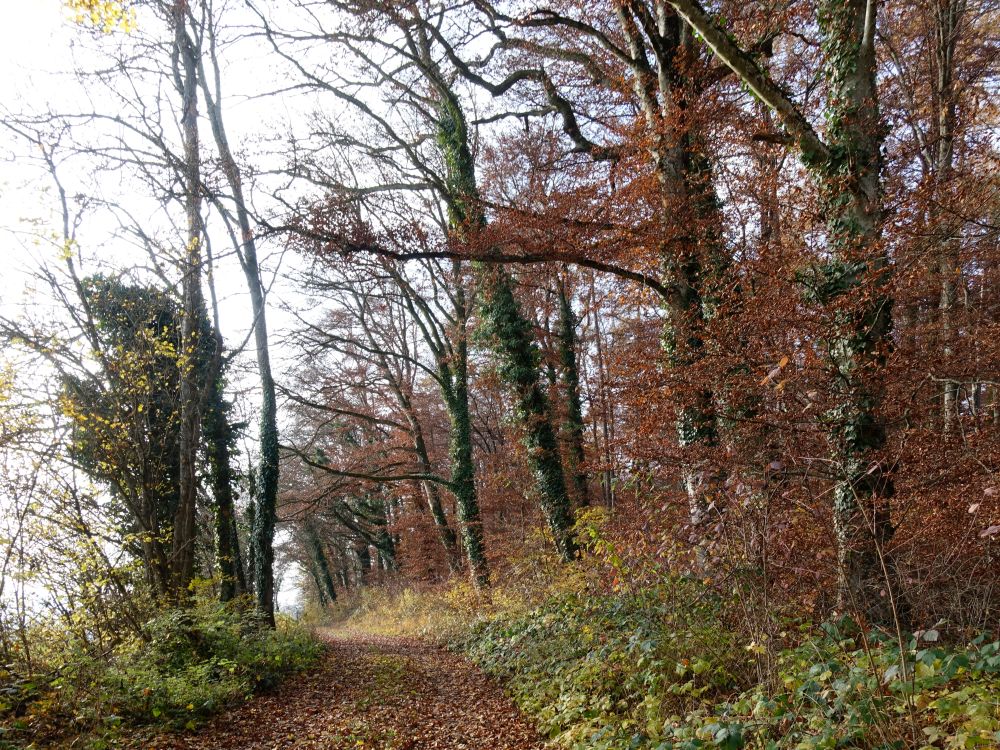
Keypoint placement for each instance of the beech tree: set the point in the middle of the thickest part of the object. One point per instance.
(847, 167)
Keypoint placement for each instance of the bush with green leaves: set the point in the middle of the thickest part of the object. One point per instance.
(186, 664)
(630, 671)
(603, 670)
(843, 688)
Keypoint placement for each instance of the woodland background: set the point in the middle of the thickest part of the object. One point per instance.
(621, 295)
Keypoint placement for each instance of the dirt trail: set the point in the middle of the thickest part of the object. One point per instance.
(373, 693)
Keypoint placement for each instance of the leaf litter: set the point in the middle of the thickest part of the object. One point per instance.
(371, 693)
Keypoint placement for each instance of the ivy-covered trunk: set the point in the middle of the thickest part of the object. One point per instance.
(506, 329)
(683, 346)
(447, 340)
(510, 336)
(852, 289)
(218, 434)
(463, 470)
(265, 503)
(251, 517)
(694, 261)
(569, 375)
(691, 254)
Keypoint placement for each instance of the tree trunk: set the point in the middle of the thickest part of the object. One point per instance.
(321, 563)
(183, 548)
(320, 591)
(850, 184)
(266, 501)
(607, 408)
(947, 16)
(446, 534)
(219, 438)
(573, 427)
(507, 330)
(510, 337)
(463, 477)
(848, 171)
(691, 256)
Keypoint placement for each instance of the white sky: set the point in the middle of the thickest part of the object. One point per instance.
(37, 49)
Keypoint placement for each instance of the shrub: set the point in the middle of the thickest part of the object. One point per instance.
(185, 665)
(846, 689)
(599, 671)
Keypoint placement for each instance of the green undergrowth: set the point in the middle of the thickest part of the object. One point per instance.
(664, 663)
(186, 665)
(626, 672)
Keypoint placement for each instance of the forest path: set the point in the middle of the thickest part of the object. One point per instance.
(372, 693)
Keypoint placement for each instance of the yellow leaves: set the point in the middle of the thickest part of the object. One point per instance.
(105, 15)
(6, 383)
(66, 252)
(775, 373)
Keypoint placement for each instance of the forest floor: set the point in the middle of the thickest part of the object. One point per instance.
(371, 693)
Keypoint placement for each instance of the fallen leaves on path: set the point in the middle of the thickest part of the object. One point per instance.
(371, 693)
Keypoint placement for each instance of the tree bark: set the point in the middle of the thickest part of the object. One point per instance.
(183, 547)
(569, 374)
(463, 477)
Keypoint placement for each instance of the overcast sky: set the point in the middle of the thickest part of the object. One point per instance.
(38, 49)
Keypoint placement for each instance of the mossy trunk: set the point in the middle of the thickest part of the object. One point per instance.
(569, 375)
(852, 288)
(506, 329)
(463, 477)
